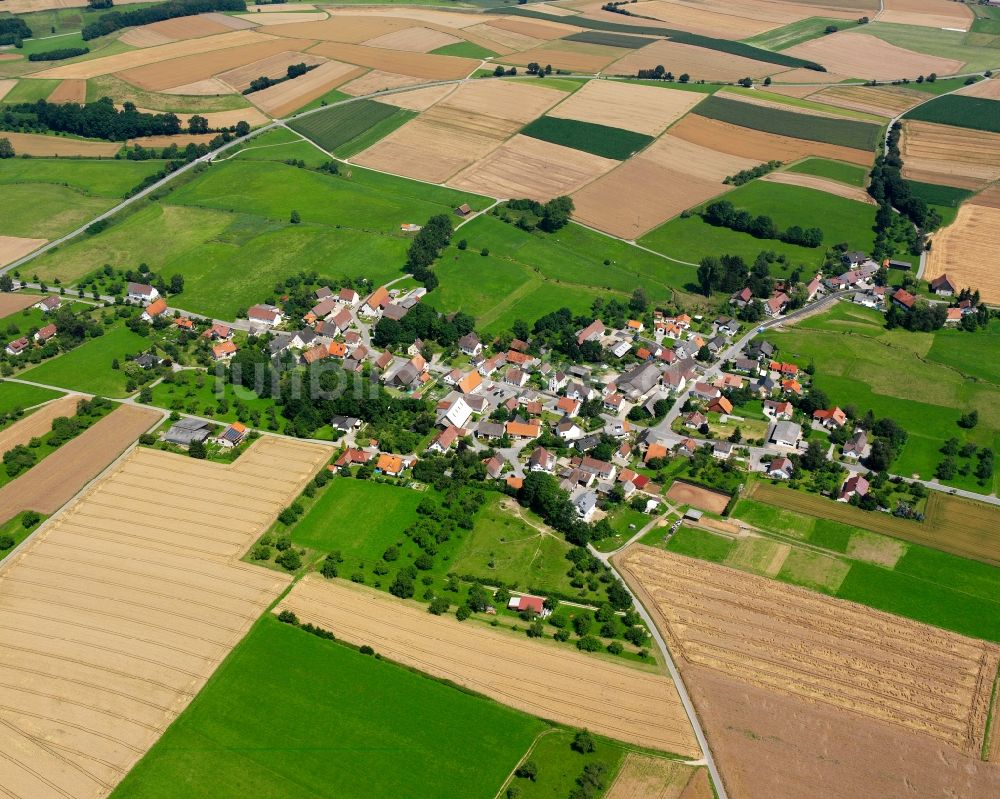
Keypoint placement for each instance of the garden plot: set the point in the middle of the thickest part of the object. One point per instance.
(419, 65)
(928, 13)
(699, 63)
(290, 95)
(413, 40)
(548, 681)
(887, 101)
(14, 247)
(967, 250)
(528, 167)
(643, 109)
(275, 66)
(866, 57)
(118, 611)
(791, 640)
(960, 157)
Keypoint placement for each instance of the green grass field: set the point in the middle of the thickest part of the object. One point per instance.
(101, 178)
(840, 219)
(610, 39)
(338, 125)
(184, 105)
(845, 132)
(587, 136)
(978, 52)
(14, 529)
(934, 194)
(464, 50)
(794, 33)
(291, 716)
(88, 367)
(18, 395)
(977, 113)
(987, 20)
(699, 544)
(280, 144)
(851, 174)
(28, 90)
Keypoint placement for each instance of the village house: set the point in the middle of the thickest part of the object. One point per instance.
(655, 451)
(943, 286)
(470, 345)
(183, 323)
(723, 450)
(568, 430)
(444, 440)
(322, 310)
(903, 299)
(375, 303)
(515, 377)
(346, 424)
(585, 505)
(855, 484)
(141, 292)
(155, 309)
(17, 346)
(569, 407)
(266, 315)
(43, 334)
(232, 436)
(742, 298)
(323, 292)
(780, 468)
(454, 412)
(640, 380)
(784, 434)
(591, 332)
(218, 332)
(48, 304)
(620, 349)
(705, 391)
(524, 429)
(831, 419)
(351, 456)
(778, 409)
(694, 420)
(489, 430)
(470, 383)
(223, 351)
(720, 405)
(541, 460)
(388, 464)
(857, 446)
(776, 305)
(348, 297)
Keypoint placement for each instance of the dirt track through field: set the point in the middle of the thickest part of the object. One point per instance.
(826, 650)
(537, 677)
(122, 607)
(38, 423)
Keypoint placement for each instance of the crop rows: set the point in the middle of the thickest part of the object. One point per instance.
(338, 125)
(597, 139)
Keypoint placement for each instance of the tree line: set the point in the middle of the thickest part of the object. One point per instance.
(426, 248)
(746, 175)
(116, 20)
(660, 73)
(722, 213)
(100, 120)
(59, 55)
(293, 71)
(13, 30)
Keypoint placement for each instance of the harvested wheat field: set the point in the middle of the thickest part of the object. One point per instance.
(50, 484)
(202, 66)
(700, 63)
(990, 197)
(644, 109)
(14, 301)
(867, 57)
(376, 81)
(946, 154)
(967, 250)
(6, 84)
(291, 95)
(37, 424)
(347, 29)
(574, 56)
(539, 678)
(512, 42)
(416, 100)
(694, 160)
(537, 28)
(413, 40)
(39, 144)
(987, 89)
(275, 66)
(820, 184)
(409, 15)
(887, 101)
(826, 650)
(120, 609)
(419, 65)
(14, 247)
(69, 91)
(645, 777)
(758, 145)
(154, 55)
(929, 13)
(520, 102)
(180, 139)
(188, 27)
(279, 18)
(687, 494)
(144, 36)
(749, 99)
(702, 21)
(532, 168)
(223, 119)
(200, 88)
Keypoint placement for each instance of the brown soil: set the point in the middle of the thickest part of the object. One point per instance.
(644, 109)
(988, 89)
(283, 99)
(699, 63)
(201, 88)
(700, 787)
(275, 66)
(686, 494)
(38, 423)
(929, 13)
(887, 101)
(760, 146)
(413, 40)
(6, 84)
(574, 56)
(14, 301)
(534, 676)
(967, 250)
(867, 57)
(820, 184)
(420, 65)
(789, 640)
(122, 607)
(510, 41)
(645, 777)
(37, 144)
(950, 155)
(69, 91)
(180, 139)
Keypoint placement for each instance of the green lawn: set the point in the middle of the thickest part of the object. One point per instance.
(587, 136)
(292, 716)
(194, 392)
(700, 544)
(18, 395)
(361, 518)
(851, 174)
(88, 367)
(840, 219)
(28, 90)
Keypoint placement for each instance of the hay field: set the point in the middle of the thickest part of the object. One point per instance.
(928, 13)
(760, 146)
(527, 167)
(794, 641)
(498, 37)
(645, 777)
(643, 109)
(548, 681)
(867, 57)
(69, 91)
(290, 95)
(834, 187)
(703, 21)
(987, 89)
(274, 66)
(537, 28)
(376, 80)
(687, 494)
(413, 40)
(889, 101)
(14, 247)
(285, 18)
(119, 610)
(188, 69)
(419, 65)
(700, 63)
(152, 55)
(39, 144)
(960, 157)
(562, 54)
(37, 424)
(967, 250)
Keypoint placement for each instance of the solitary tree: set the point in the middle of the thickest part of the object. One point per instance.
(6, 148)
(295, 218)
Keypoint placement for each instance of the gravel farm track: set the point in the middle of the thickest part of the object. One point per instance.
(121, 607)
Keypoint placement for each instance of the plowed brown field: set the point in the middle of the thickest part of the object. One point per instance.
(121, 608)
(644, 777)
(275, 66)
(946, 154)
(420, 65)
(543, 679)
(14, 301)
(644, 109)
(788, 639)
(38, 423)
(760, 146)
(69, 91)
(967, 250)
(687, 494)
(867, 57)
(988, 89)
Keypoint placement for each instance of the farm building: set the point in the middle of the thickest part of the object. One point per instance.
(186, 431)
(526, 602)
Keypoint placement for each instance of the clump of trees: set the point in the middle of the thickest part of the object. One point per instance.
(550, 216)
(722, 213)
(13, 30)
(426, 247)
(58, 55)
(660, 73)
(746, 175)
(422, 322)
(98, 120)
(534, 68)
(6, 149)
(116, 20)
(293, 71)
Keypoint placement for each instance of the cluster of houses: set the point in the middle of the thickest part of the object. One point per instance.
(40, 337)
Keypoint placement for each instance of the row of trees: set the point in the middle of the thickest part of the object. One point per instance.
(722, 213)
(660, 73)
(746, 175)
(426, 247)
(58, 55)
(116, 20)
(99, 120)
(293, 71)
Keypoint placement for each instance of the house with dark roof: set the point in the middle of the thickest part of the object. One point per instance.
(141, 292)
(943, 286)
(780, 468)
(185, 431)
(856, 484)
(470, 345)
(857, 446)
(541, 460)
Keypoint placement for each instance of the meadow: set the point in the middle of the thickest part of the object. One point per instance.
(844, 132)
(335, 128)
(978, 52)
(465, 50)
(87, 368)
(935, 194)
(279, 144)
(101, 178)
(289, 715)
(794, 33)
(589, 137)
(30, 90)
(841, 220)
(977, 113)
(18, 395)
(851, 174)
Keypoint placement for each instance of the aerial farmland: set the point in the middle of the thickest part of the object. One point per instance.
(551, 399)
